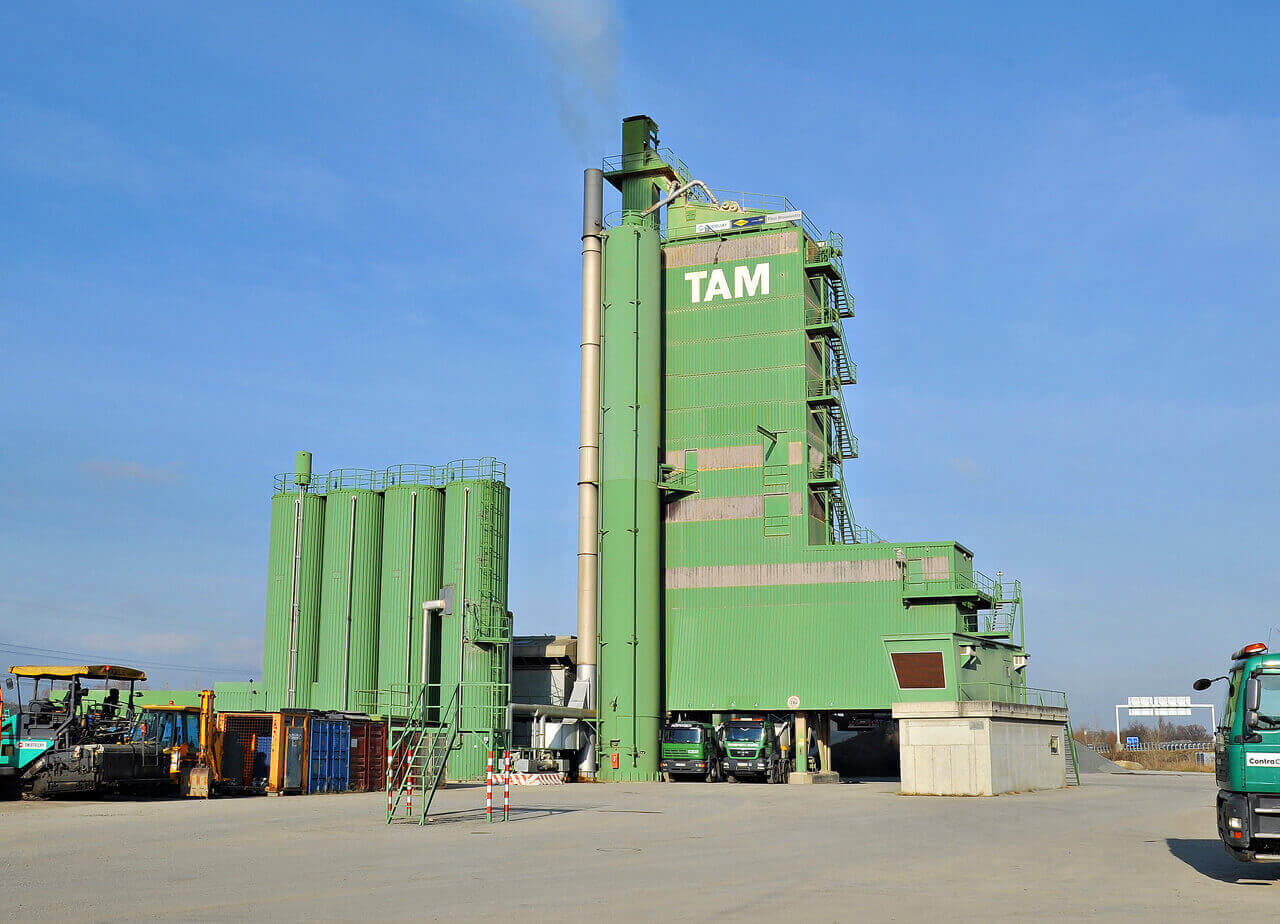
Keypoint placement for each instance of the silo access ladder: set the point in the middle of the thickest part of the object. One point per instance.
(417, 757)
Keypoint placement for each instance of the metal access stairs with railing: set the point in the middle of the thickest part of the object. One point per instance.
(418, 755)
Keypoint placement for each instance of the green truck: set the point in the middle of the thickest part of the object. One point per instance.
(691, 750)
(754, 751)
(1247, 755)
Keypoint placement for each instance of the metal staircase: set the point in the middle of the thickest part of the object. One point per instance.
(418, 754)
(1073, 767)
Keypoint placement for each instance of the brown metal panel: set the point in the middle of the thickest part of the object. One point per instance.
(919, 670)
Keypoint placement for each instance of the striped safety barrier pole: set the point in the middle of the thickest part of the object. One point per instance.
(506, 786)
(389, 777)
(488, 790)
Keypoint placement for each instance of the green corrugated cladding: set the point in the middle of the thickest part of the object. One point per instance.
(630, 632)
(240, 697)
(412, 565)
(755, 613)
(475, 649)
(350, 600)
(290, 511)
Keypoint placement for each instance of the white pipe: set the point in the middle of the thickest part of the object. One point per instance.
(589, 432)
(589, 448)
(680, 192)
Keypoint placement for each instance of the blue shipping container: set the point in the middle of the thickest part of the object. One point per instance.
(330, 765)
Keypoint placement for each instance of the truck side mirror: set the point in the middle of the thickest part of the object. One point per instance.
(1202, 684)
(1252, 694)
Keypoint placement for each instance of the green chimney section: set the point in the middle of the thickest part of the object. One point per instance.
(630, 529)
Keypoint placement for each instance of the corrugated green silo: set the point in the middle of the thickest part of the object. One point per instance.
(630, 629)
(348, 672)
(475, 649)
(412, 565)
(290, 650)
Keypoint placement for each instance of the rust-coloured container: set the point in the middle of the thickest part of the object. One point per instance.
(368, 755)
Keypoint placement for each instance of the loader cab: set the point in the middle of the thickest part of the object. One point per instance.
(167, 726)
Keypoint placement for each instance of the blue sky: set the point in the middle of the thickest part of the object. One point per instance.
(229, 235)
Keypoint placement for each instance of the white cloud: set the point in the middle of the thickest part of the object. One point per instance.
(117, 470)
(967, 467)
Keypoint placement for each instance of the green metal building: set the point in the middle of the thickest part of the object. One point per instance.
(733, 577)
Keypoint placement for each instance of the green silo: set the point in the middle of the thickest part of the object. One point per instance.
(630, 630)
(348, 671)
(412, 564)
(291, 647)
(475, 638)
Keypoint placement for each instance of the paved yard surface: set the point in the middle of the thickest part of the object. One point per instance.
(1135, 846)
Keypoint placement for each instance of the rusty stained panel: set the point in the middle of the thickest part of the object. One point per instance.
(919, 670)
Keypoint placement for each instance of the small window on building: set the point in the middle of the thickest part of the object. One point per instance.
(1053, 744)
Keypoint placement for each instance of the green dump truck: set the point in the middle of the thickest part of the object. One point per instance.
(1247, 755)
(691, 750)
(753, 751)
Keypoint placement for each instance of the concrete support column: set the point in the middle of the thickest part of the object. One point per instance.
(800, 746)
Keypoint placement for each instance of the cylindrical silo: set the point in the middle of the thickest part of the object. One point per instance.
(412, 563)
(475, 639)
(290, 649)
(348, 672)
(630, 618)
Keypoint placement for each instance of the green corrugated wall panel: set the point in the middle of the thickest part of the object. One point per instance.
(275, 649)
(630, 626)
(241, 697)
(479, 575)
(743, 354)
(350, 599)
(412, 569)
(164, 697)
(749, 648)
(725, 389)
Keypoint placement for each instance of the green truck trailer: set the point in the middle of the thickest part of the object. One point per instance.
(1247, 755)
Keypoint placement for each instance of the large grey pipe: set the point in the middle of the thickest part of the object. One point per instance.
(589, 432)
(589, 449)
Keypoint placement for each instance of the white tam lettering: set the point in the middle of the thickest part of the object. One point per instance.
(695, 282)
(718, 285)
(748, 283)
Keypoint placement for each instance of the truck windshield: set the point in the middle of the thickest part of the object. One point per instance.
(744, 733)
(684, 735)
(1269, 700)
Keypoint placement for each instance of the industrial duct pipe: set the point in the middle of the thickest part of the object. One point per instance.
(589, 448)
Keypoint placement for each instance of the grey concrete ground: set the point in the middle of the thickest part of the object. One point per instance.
(1135, 846)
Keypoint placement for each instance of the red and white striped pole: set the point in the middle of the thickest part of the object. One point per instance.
(408, 806)
(506, 786)
(389, 777)
(488, 790)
